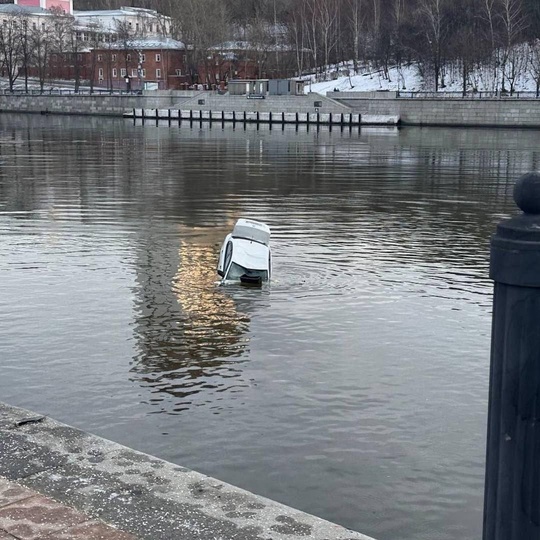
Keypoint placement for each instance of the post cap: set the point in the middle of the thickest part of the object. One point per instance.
(527, 193)
(515, 248)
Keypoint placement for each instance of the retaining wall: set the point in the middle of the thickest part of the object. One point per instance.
(422, 111)
(464, 112)
(98, 105)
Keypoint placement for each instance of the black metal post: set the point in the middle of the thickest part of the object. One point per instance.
(512, 491)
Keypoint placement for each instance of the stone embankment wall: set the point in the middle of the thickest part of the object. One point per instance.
(468, 112)
(98, 105)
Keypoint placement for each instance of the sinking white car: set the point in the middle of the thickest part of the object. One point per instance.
(245, 254)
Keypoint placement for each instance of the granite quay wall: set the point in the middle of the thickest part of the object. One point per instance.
(140, 494)
(466, 112)
(97, 105)
(459, 112)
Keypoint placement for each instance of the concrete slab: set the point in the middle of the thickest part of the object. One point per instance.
(91, 530)
(37, 517)
(20, 457)
(145, 496)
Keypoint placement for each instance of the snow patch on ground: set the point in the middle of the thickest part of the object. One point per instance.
(408, 79)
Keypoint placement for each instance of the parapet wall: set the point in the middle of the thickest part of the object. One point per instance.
(466, 112)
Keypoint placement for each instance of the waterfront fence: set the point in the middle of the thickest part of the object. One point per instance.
(68, 92)
(468, 95)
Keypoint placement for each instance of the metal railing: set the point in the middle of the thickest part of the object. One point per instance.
(468, 95)
(66, 92)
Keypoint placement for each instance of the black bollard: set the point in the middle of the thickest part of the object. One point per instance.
(512, 491)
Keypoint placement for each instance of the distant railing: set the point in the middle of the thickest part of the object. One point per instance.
(65, 92)
(468, 95)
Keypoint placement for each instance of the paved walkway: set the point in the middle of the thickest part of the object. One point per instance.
(27, 515)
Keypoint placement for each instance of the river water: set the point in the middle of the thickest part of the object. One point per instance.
(354, 386)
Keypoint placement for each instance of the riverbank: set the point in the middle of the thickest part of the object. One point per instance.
(89, 478)
(371, 107)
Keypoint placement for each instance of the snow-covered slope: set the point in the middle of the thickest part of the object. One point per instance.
(409, 79)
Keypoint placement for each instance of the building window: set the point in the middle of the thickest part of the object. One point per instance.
(100, 74)
(158, 73)
(114, 57)
(143, 57)
(79, 57)
(129, 57)
(34, 25)
(136, 27)
(179, 72)
(151, 28)
(134, 73)
(115, 73)
(158, 57)
(123, 72)
(100, 58)
(144, 73)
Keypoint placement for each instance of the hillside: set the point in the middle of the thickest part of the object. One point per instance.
(409, 79)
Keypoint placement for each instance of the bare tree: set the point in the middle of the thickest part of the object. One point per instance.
(96, 37)
(41, 40)
(25, 46)
(260, 43)
(61, 26)
(76, 49)
(516, 65)
(355, 19)
(435, 29)
(534, 64)
(328, 21)
(513, 23)
(489, 15)
(126, 36)
(297, 35)
(203, 25)
(11, 47)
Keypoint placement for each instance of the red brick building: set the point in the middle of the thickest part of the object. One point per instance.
(67, 66)
(243, 60)
(155, 63)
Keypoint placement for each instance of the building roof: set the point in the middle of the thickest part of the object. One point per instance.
(152, 43)
(30, 10)
(240, 45)
(123, 11)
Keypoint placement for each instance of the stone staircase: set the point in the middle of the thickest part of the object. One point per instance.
(308, 103)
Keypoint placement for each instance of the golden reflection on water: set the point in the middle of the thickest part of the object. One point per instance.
(191, 346)
(211, 315)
